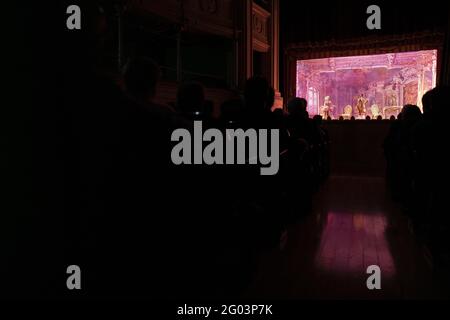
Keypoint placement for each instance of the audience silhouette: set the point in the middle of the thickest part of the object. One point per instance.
(132, 216)
(416, 155)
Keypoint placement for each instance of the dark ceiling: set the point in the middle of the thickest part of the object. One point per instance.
(303, 21)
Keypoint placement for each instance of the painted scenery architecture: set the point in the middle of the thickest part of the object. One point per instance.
(388, 82)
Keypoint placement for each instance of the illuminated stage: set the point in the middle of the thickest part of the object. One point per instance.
(363, 86)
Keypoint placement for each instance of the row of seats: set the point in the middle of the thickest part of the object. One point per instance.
(416, 153)
(251, 212)
(111, 201)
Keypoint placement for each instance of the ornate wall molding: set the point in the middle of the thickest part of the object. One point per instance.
(366, 45)
(260, 25)
(209, 6)
(210, 16)
(251, 27)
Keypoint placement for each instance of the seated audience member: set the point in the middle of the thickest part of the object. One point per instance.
(430, 158)
(116, 154)
(141, 78)
(231, 112)
(279, 113)
(416, 158)
(191, 101)
(427, 101)
(312, 165)
(399, 150)
(298, 119)
(259, 99)
(297, 107)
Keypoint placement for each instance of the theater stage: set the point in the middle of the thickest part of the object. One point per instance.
(366, 85)
(356, 147)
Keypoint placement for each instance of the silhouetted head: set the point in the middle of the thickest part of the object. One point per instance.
(440, 102)
(426, 101)
(278, 112)
(392, 118)
(411, 113)
(379, 118)
(341, 118)
(328, 118)
(257, 94)
(297, 107)
(231, 110)
(141, 78)
(352, 118)
(368, 118)
(190, 97)
(317, 119)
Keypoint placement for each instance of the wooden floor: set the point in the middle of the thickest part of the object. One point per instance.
(354, 225)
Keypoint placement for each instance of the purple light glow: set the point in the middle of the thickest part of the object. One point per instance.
(366, 85)
(351, 242)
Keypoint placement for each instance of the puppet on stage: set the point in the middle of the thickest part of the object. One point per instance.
(327, 108)
(361, 105)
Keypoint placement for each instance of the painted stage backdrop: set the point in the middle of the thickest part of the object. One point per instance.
(363, 86)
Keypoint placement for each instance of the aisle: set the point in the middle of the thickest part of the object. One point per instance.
(354, 225)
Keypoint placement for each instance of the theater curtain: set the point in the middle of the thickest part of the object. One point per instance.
(445, 72)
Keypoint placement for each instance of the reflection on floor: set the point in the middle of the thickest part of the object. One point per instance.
(354, 225)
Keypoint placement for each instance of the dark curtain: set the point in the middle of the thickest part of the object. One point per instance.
(445, 72)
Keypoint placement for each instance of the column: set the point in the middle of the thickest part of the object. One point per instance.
(243, 14)
(274, 50)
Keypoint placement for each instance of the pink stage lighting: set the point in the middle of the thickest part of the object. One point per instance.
(363, 86)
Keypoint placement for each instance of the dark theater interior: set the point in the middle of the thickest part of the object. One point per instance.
(229, 150)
